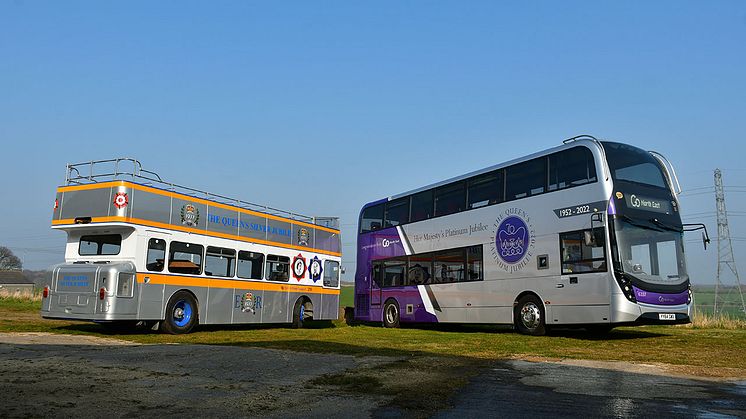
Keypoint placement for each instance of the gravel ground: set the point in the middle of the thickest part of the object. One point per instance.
(49, 375)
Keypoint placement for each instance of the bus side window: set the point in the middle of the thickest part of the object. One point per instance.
(250, 265)
(371, 219)
(397, 212)
(526, 179)
(331, 273)
(577, 257)
(185, 258)
(422, 206)
(156, 255)
(394, 273)
(570, 168)
(278, 268)
(220, 262)
(485, 190)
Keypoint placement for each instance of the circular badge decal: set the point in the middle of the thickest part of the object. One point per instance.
(299, 267)
(512, 239)
(120, 200)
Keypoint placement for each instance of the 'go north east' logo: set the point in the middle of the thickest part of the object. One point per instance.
(514, 240)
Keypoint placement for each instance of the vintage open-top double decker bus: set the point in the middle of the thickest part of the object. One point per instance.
(141, 250)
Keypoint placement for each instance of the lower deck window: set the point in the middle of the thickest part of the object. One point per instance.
(220, 262)
(444, 267)
(100, 245)
(250, 265)
(578, 256)
(331, 274)
(278, 268)
(185, 258)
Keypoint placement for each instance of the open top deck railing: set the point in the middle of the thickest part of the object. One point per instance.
(126, 168)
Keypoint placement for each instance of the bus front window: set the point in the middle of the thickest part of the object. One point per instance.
(650, 253)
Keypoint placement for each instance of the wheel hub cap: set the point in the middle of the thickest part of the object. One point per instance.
(530, 316)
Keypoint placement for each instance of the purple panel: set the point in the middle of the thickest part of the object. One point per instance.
(661, 299)
(612, 207)
(405, 296)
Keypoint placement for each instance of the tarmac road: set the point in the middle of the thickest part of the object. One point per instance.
(516, 389)
(44, 375)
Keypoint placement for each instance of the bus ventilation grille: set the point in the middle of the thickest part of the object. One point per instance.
(362, 304)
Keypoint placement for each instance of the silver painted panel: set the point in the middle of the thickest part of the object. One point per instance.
(279, 231)
(86, 203)
(252, 226)
(150, 206)
(222, 221)
(219, 306)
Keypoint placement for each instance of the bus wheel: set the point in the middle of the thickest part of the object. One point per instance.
(181, 314)
(529, 316)
(302, 312)
(391, 314)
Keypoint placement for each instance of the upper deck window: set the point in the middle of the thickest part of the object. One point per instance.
(422, 206)
(485, 190)
(397, 212)
(450, 198)
(100, 245)
(635, 165)
(526, 179)
(371, 219)
(570, 168)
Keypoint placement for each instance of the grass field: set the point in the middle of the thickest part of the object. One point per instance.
(439, 358)
(706, 351)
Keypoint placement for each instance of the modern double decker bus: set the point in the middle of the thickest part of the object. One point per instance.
(141, 250)
(587, 234)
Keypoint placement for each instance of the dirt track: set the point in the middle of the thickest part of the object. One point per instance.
(83, 376)
(46, 375)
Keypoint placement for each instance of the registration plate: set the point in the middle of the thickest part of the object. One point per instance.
(666, 316)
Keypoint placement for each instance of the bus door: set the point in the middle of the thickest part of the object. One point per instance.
(376, 283)
(583, 289)
(150, 301)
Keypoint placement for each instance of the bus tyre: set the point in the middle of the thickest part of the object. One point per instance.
(391, 314)
(529, 316)
(302, 311)
(181, 314)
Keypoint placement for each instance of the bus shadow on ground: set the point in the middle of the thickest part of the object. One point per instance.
(124, 330)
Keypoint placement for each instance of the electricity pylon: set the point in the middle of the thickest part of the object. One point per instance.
(726, 259)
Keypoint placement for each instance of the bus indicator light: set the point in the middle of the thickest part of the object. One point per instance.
(101, 293)
(45, 292)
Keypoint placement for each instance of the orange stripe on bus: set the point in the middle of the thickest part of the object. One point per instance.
(193, 199)
(156, 224)
(191, 281)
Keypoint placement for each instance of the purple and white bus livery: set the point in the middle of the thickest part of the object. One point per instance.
(587, 234)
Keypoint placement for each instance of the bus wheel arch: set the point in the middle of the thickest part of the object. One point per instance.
(391, 313)
(302, 311)
(529, 314)
(182, 313)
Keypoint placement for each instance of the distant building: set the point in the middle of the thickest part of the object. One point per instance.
(15, 281)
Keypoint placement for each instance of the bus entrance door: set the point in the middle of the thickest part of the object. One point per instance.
(375, 285)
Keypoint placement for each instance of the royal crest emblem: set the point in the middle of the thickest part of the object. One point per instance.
(248, 303)
(514, 239)
(303, 237)
(189, 215)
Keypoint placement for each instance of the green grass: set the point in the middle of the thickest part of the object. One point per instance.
(439, 358)
(664, 344)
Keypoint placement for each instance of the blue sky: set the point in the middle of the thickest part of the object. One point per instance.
(320, 107)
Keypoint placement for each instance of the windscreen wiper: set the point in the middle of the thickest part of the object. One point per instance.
(638, 224)
(666, 226)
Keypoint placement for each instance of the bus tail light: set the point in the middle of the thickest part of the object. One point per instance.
(45, 292)
(101, 293)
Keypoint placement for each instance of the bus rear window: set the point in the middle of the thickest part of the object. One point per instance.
(99, 245)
